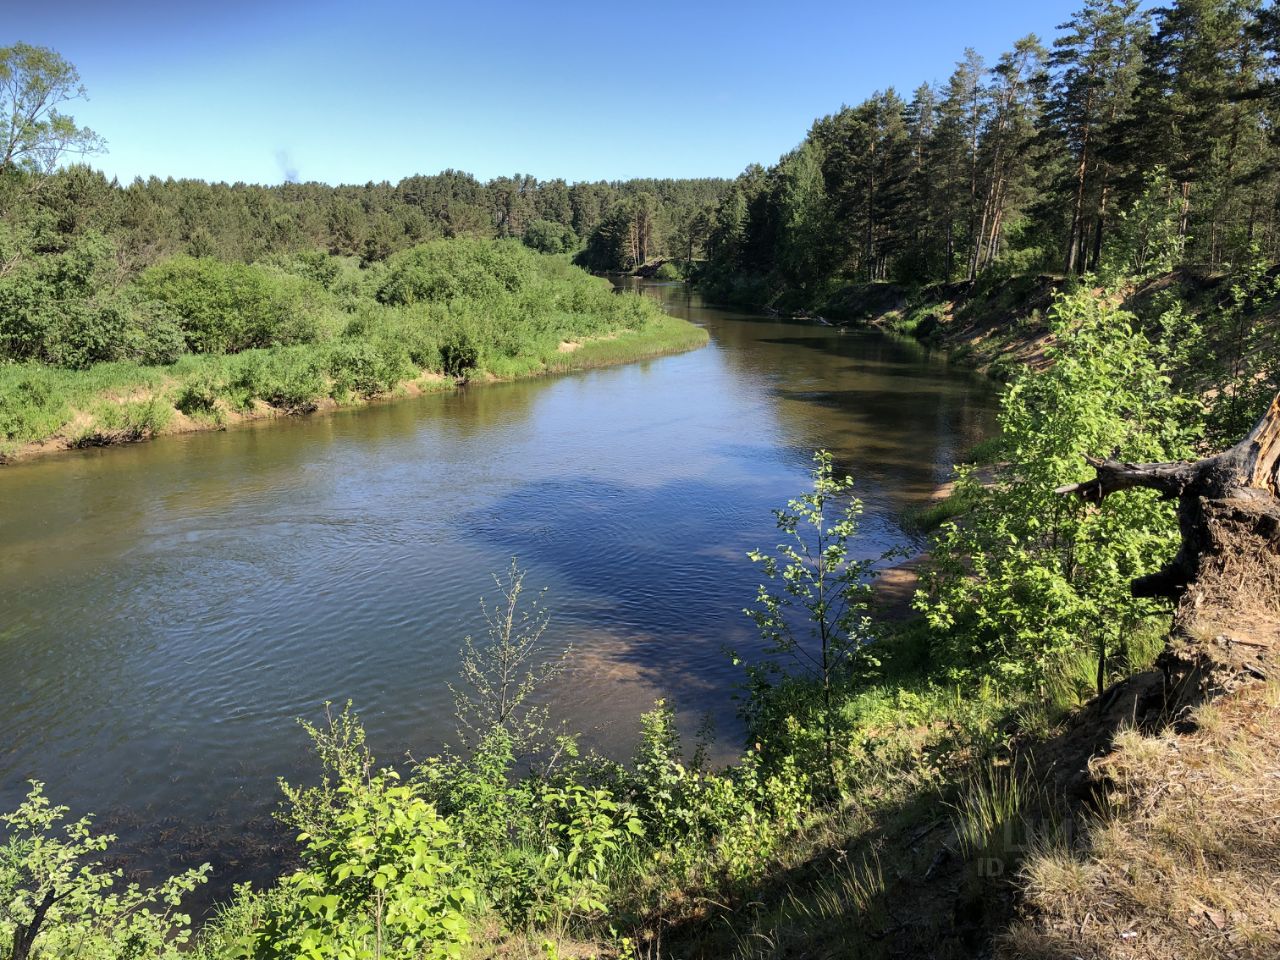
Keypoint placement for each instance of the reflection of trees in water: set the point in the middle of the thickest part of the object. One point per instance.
(476, 409)
(130, 557)
(891, 412)
(120, 488)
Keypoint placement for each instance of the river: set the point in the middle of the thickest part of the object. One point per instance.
(168, 609)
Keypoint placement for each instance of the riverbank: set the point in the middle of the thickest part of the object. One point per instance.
(128, 403)
(1000, 325)
(197, 343)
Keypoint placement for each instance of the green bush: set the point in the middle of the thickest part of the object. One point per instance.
(367, 369)
(229, 307)
(158, 336)
(548, 236)
(62, 308)
(387, 880)
(199, 396)
(459, 353)
(417, 330)
(50, 864)
(31, 404)
(444, 270)
(283, 379)
(316, 265)
(1030, 577)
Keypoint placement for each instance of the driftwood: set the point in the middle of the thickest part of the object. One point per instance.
(1225, 578)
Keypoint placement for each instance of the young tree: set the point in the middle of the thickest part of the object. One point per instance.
(1028, 579)
(812, 614)
(503, 673)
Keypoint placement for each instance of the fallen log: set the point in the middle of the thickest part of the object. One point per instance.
(1248, 474)
(1225, 578)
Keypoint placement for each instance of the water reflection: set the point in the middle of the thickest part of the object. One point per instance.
(168, 609)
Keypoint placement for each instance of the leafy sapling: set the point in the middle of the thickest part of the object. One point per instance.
(502, 674)
(812, 612)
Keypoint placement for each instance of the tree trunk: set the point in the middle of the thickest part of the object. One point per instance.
(1225, 578)
(24, 936)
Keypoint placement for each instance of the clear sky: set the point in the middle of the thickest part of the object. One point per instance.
(352, 92)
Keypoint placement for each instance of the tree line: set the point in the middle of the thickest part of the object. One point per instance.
(45, 205)
(1032, 164)
(155, 218)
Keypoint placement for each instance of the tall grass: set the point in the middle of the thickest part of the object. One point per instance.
(991, 816)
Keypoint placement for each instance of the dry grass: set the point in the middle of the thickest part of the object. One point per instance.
(1186, 864)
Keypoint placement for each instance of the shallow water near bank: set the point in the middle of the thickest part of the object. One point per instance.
(168, 609)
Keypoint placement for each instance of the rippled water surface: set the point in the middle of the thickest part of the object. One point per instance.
(168, 609)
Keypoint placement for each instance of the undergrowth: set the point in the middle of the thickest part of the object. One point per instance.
(434, 313)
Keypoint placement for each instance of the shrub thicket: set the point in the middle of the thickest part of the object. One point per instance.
(229, 307)
(217, 336)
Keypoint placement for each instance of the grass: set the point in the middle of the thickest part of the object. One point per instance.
(992, 816)
(271, 340)
(931, 516)
(44, 407)
(1185, 861)
(939, 827)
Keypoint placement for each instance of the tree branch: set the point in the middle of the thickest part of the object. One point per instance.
(1170, 479)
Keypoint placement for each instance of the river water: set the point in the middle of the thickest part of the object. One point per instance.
(168, 609)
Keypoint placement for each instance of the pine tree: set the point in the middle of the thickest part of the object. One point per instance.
(1006, 160)
(1193, 115)
(1097, 59)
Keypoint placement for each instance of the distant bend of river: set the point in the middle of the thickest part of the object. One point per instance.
(167, 610)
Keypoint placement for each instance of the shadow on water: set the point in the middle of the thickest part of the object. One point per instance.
(168, 609)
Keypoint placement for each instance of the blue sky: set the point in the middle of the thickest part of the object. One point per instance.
(352, 92)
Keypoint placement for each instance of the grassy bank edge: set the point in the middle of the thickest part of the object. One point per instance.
(148, 409)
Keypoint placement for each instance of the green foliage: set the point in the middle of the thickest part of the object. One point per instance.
(1148, 239)
(459, 353)
(228, 307)
(502, 674)
(1028, 577)
(812, 615)
(708, 823)
(34, 83)
(498, 817)
(123, 421)
(385, 879)
(317, 266)
(803, 218)
(285, 379)
(62, 308)
(631, 232)
(31, 405)
(587, 831)
(364, 348)
(199, 396)
(366, 368)
(344, 760)
(1243, 337)
(445, 270)
(547, 236)
(57, 900)
(992, 812)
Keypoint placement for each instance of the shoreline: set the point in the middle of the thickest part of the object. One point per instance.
(664, 336)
